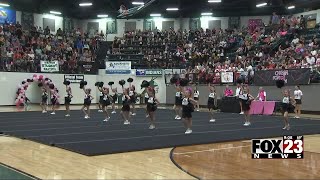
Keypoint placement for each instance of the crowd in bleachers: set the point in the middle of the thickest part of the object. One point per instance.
(283, 44)
(22, 50)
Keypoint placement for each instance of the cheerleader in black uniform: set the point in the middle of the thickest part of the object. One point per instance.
(44, 99)
(114, 96)
(178, 102)
(87, 102)
(106, 101)
(146, 99)
(101, 95)
(187, 109)
(286, 102)
(54, 100)
(152, 106)
(246, 99)
(132, 95)
(125, 110)
(67, 100)
(196, 94)
(211, 102)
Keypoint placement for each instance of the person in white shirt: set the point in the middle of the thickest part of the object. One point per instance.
(196, 94)
(238, 93)
(298, 97)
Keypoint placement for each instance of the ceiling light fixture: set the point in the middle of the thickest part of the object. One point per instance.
(85, 4)
(137, 3)
(55, 12)
(291, 7)
(4, 4)
(261, 5)
(155, 15)
(214, 1)
(206, 14)
(102, 16)
(172, 9)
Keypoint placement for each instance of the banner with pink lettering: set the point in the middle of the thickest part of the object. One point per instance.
(290, 77)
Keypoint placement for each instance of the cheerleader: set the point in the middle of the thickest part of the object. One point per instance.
(101, 95)
(54, 100)
(26, 103)
(298, 97)
(87, 102)
(67, 100)
(246, 99)
(132, 95)
(187, 109)
(44, 99)
(106, 101)
(152, 106)
(114, 96)
(196, 94)
(146, 99)
(211, 102)
(238, 93)
(125, 110)
(178, 102)
(285, 108)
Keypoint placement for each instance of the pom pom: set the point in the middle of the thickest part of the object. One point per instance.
(145, 84)
(101, 84)
(184, 82)
(111, 83)
(51, 86)
(122, 82)
(280, 83)
(96, 84)
(130, 80)
(40, 84)
(67, 83)
(85, 83)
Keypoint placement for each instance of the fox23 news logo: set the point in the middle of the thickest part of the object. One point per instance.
(289, 147)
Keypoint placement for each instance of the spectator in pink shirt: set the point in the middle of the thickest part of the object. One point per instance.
(228, 92)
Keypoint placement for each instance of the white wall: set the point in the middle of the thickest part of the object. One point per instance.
(244, 20)
(311, 12)
(38, 20)
(11, 80)
(205, 22)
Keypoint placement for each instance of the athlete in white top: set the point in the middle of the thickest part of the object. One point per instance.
(196, 94)
(238, 93)
(298, 98)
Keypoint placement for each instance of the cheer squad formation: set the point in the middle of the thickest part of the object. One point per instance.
(186, 101)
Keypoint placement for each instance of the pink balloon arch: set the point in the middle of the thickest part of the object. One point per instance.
(43, 82)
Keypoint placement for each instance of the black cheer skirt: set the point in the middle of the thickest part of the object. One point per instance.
(151, 107)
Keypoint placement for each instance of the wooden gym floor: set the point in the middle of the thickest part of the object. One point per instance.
(230, 160)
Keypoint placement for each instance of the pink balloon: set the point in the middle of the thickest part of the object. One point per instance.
(35, 78)
(40, 77)
(35, 75)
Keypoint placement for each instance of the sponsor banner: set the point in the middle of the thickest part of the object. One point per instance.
(148, 72)
(74, 78)
(49, 66)
(290, 77)
(227, 77)
(118, 67)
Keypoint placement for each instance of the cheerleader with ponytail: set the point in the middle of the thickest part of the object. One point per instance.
(145, 84)
(114, 96)
(54, 99)
(125, 110)
(87, 99)
(106, 101)
(44, 99)
(99, 85)
(246, 100)
(132, 94)
(187, 108)
(152, 106)
(287, 101)
(211, 102)
(68, 97)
